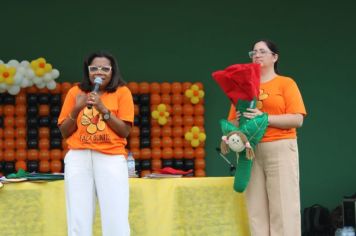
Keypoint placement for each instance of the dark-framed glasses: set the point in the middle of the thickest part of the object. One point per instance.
(253, 53)
(105, 69)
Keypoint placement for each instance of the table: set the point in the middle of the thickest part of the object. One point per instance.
(158, 207)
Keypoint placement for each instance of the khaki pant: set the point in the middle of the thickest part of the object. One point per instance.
(272, 196)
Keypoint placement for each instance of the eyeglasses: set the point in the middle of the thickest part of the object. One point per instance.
(105, 69)
(253, 53)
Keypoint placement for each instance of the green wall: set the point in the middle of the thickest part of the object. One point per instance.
(187, 40)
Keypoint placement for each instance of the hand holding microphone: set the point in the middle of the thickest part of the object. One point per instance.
(97, 82)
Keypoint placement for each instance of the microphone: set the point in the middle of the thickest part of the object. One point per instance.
(97, 82)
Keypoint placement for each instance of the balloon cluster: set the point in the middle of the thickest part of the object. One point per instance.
(161, 114)
(195, 136)
(15, 75)
(194, 93)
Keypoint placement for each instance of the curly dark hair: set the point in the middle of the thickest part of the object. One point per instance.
(116, 77)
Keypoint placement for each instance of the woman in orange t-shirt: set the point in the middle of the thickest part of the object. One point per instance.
(273, 196)
(95, 123)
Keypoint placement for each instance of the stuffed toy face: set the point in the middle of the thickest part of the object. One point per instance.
(234, 142)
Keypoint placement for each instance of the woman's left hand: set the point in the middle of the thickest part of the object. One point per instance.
(252, 113)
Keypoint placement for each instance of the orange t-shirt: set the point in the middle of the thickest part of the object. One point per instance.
(93, 132)
(278, 96)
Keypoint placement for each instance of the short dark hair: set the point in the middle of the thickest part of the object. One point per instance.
(116, 77)
(273, 47)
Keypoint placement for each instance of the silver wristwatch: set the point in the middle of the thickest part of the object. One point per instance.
(106, 116)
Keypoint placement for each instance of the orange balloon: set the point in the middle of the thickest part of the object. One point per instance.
(20, 110)
(1, 110)
(199, 153)
(156, 142)
(21, 155)
(9, 132)
(20, 165)
(167, 153)
(176, 88)
(55, 154)
(44, 155)
(177, 109)
(156, 153)
(156, 164)
(144, 87)
(32, 89)
(9, 110)
(188, 120)
(1, 156)
(166, 131)
(165, 88)
(155, 131)
(177, 131)
(178, 152)
(145, 153)
(167, 142)
(155, 99)
(199, 110)
(43, 132)
(154, 123)
(134, 142)
(44, 166)
(1, 133)
(166, 99)
(177, 99)
(199, 120)
(199, 173)
(21, 99)
(155, 88)
(9, 155)
(178, 142)
(9, 144)
(199, 84)
(56, 166)
(21, 143)
(188, 109)
(133, 86)
(20, 122)
(188, 153)
(20, 133)
(43, 144)
(185, 86)
(9, 121)
(135, 131)
(199, 164)
(43, 110)
(32, 154)
(177, 120)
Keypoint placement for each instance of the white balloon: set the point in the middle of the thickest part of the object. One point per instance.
(25, 63)
(18, 78)
(55, 73)
(30, 73)
(1, 62)
(3, 86)
(47, 77)
(41, 85)
(51, 85)
(25, 83)
(37, 80)
(21, 70)
(13, 62)
(14, 90)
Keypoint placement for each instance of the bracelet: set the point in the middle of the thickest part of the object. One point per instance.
(70, 117)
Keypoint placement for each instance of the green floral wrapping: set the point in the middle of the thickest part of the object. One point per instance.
(254, 130)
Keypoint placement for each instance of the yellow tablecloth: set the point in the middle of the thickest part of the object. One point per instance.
(158, 207)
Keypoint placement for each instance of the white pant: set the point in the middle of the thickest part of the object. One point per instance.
(90, 174)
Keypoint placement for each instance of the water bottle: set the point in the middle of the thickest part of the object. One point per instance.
(131, 165)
